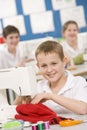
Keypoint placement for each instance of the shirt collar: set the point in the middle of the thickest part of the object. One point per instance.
(69, 83)
(6, 51)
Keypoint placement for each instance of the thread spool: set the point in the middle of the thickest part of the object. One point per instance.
(46, 125)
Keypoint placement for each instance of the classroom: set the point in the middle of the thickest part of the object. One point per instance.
(43, 64)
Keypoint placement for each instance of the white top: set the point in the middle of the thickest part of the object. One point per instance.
(7, 60)
(70, 50)
(75, 87)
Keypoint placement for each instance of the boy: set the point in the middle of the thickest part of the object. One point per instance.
(10, 56)
(61, 91)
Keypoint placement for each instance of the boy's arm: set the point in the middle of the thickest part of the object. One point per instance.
(23, 61)
(74, 105)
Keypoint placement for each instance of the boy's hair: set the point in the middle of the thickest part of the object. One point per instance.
(50, 47)
(9, 30)
(66, 24)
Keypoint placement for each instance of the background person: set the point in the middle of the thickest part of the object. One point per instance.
(70, 45)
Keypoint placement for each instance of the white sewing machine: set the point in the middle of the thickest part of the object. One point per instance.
(22, 80)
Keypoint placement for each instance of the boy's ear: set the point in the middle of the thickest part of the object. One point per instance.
(37, 65)
(65, 60)
(63, 34)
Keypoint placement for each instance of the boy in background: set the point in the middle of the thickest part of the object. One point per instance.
(10, 55)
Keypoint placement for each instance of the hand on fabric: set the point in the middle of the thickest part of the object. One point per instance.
(26, 99)
(41, 98)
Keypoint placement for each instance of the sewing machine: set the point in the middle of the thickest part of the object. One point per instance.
(22, 80)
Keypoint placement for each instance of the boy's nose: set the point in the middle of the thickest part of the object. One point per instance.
(49, 68)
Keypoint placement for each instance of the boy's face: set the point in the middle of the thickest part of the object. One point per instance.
(12, 40)
(71, 32)
(51, 66)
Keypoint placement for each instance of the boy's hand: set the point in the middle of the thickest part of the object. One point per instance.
(41, 98)
(26, 99)
(21, 63)
(22, 100)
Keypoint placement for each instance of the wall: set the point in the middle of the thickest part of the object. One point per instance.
(42, 18)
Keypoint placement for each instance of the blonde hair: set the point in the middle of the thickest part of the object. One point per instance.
(65, 26)
(50, 47)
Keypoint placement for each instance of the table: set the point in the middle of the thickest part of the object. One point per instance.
(82, 126)
(57, 127)
(9, 111)
(81, 70)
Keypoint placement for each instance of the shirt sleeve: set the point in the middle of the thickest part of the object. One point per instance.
(81, 93)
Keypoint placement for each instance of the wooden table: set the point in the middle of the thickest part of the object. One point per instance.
(81, 70)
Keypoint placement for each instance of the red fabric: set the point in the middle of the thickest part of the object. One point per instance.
(37, 112)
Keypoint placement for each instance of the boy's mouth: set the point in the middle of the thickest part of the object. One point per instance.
(51, 75)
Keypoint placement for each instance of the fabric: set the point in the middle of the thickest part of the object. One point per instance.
(70, 50)
(37, 112)
(7, 60)
(75, 88)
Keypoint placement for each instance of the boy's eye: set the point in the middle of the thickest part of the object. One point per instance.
(75, 30)
(54, 63)
(43, 66)
(17, 37)
(11, 37)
